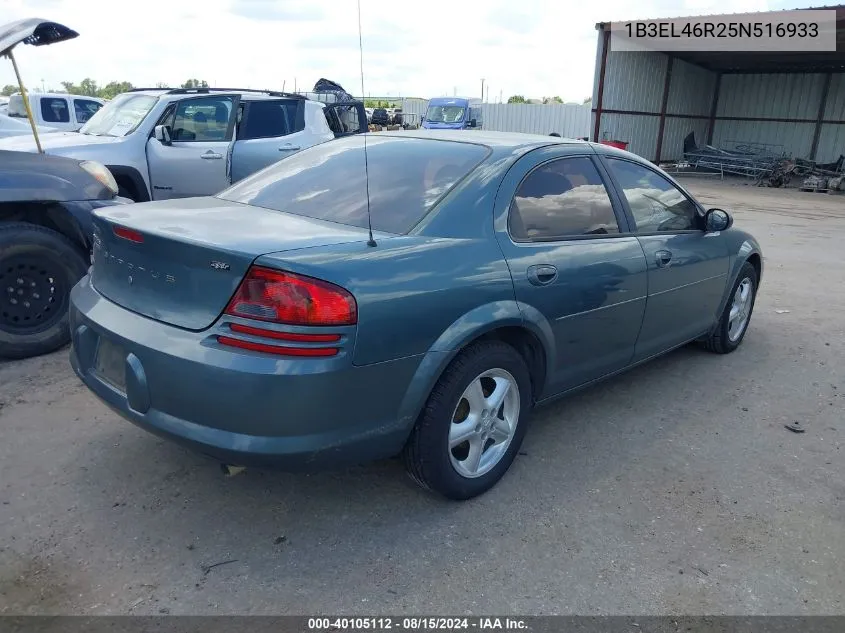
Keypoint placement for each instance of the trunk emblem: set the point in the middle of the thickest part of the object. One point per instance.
(130, 280)
(220, 265)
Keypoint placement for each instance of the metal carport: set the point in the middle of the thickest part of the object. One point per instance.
(652, 100)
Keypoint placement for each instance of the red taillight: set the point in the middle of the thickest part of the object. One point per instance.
(284, 336)
(280, 297)
(308, 352)
(128, 234)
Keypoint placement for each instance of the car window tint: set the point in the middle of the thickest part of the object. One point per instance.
(563, 198)
(54, 110)
(268, 119)
(85, 109)
(326, 181)
(656, 204)
(202, 119)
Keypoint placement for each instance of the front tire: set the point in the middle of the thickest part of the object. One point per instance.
(733, 324)
(473, 422)
(38, 268)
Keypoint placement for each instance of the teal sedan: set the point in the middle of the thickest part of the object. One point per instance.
(311, 316)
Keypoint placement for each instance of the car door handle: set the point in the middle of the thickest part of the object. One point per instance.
(289, 148)
(542, 274)
(663, 258)
(209, 155)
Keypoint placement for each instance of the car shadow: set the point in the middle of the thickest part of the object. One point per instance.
(157, 501)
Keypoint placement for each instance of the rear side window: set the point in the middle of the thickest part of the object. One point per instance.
(562, 198)
(343, 119)
(268, 119)
(54, 110)
(327, 182)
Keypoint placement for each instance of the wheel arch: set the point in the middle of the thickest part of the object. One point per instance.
(756, 260)
(131, 178)
(747, 253)
(502, 321)
(51, 215)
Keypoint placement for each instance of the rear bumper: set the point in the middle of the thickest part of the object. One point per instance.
(242, 408)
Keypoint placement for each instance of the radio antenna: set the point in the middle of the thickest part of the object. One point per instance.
(370, 241)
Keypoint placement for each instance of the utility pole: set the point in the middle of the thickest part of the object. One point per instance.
(482, 88)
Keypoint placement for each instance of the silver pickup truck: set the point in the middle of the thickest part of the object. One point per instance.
(162, 143)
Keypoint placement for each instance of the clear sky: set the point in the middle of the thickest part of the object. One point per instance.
(419, 48)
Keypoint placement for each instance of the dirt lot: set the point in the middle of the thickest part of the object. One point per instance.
(673, 488)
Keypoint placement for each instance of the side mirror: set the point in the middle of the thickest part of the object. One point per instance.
(716, 220)
(473, 123)
(162, 134)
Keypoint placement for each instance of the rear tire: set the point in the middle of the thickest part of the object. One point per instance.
(485, 396)
(38, 268)
(732, 326)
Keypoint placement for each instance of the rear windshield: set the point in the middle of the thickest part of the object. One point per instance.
(407, 177)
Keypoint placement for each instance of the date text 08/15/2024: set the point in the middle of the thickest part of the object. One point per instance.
(731, 30)
(414, 623)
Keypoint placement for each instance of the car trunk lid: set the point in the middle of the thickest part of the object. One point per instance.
(180, 261)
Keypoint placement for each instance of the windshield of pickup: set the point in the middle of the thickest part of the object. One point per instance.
(445, 114)
(120, 116)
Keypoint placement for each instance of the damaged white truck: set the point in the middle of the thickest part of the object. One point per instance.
(162, 143)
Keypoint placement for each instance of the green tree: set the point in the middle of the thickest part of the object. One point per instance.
(114, 88)
(87, 87)
(9, 89)
(195, 83)
(516, 99)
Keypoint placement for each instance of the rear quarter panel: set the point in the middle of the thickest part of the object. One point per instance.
(429, 293)
(412, 290)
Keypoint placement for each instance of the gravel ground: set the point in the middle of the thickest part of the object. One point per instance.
(674, 488)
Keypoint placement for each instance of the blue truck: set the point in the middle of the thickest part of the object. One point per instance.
(453, 113)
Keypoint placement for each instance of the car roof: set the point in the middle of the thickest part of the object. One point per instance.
(490, 138)
(34, 95)
(245, 95)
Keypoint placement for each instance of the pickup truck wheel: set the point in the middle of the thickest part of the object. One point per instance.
(38, 268)
(473, 422)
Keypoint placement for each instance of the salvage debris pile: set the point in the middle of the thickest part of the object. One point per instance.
(767, 165)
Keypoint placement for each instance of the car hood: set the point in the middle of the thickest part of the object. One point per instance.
(11, 125)
(59, 143)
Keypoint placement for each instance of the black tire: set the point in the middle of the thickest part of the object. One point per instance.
(427, 454)
(34, 318)
(719, 341)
